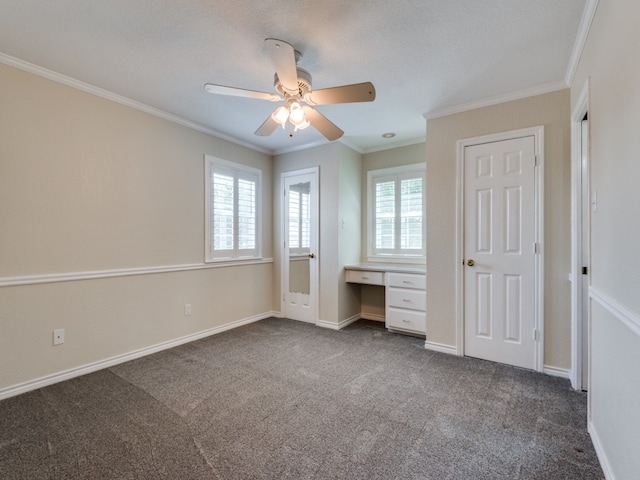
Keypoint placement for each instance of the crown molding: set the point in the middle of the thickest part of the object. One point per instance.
(404, 143)
(581, 38)
(487, 102)
(114, 97)
(300, 147)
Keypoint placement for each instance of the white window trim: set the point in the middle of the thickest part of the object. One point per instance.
(371, 174)
(209, 162)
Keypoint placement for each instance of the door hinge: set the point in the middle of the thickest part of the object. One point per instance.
(535, 160)
(585, 270)
(536, 247)
(535, 334)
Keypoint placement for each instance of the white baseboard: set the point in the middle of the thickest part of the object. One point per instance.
(41, 382)
(338, 326)
(440, 347)
(602, 457)
(372, 317)
(557, 372)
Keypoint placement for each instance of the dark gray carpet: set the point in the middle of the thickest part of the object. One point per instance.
(282, 399)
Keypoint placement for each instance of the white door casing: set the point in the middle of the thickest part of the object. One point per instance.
(500, 229)
(580, 250)
(300, 245)
(584, 270)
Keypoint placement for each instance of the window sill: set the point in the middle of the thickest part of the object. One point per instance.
(403, 260)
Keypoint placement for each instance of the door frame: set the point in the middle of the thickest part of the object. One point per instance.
(581, 108)
(284, 267)
(538, 134)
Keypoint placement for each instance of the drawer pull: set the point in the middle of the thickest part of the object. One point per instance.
(407, 281)
(406, 300)
(406, 321)
(365, 278)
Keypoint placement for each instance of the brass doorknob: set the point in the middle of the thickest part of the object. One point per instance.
(312, 255)
(470, 262)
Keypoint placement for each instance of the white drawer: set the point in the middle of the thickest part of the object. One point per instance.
(404, 298)
(407, 280)
(406, 320)
(363, 276)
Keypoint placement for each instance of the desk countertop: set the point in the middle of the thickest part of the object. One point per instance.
(387, 267)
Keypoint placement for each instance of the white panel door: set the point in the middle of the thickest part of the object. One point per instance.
(499, 256)
(300, 246)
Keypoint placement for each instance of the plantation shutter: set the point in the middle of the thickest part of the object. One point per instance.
(398, 214)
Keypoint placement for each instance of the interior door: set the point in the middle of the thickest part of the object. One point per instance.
(299, 267)
(499, 249)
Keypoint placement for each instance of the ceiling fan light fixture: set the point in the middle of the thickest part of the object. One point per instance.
(304, 124)
(296, 114)
(280, 115)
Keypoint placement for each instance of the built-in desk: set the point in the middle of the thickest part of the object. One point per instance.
(405, 293)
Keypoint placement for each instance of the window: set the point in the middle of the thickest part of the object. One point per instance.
(396, 212)
(231, 207)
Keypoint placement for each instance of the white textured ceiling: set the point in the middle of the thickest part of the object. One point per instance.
(422, 55)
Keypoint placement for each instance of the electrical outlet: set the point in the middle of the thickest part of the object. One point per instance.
(58, 336)
(187, 309)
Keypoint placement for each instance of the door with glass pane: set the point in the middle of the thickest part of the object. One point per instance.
(299, 259)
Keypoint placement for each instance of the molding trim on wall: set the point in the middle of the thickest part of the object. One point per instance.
(110, 362)
(405, 143)
(557, 372)
(114, 97)
(440, 347)
(338, 326)
(487, 102)
(373, 317)
(622, 313)
(602, 457)
(581, 38)
(304, 147)
(121, 272)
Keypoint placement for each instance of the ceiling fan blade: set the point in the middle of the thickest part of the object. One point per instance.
(283, 57)
(322, 124)
(241, 92)
(358, 92)
(267, 127)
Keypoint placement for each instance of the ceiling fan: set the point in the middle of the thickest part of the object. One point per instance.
(293, 85)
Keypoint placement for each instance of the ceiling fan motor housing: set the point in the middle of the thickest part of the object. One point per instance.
(304, 84)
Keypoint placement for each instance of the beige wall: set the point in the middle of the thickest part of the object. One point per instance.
(89, 185)
(324, 157)
(349, 238)
(373, 296)
(338, 165)
(552, 111)
(610, 62)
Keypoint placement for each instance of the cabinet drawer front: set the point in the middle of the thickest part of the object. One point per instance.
(411, 299)
(407, 280)
(361, 276)
(406, 320)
